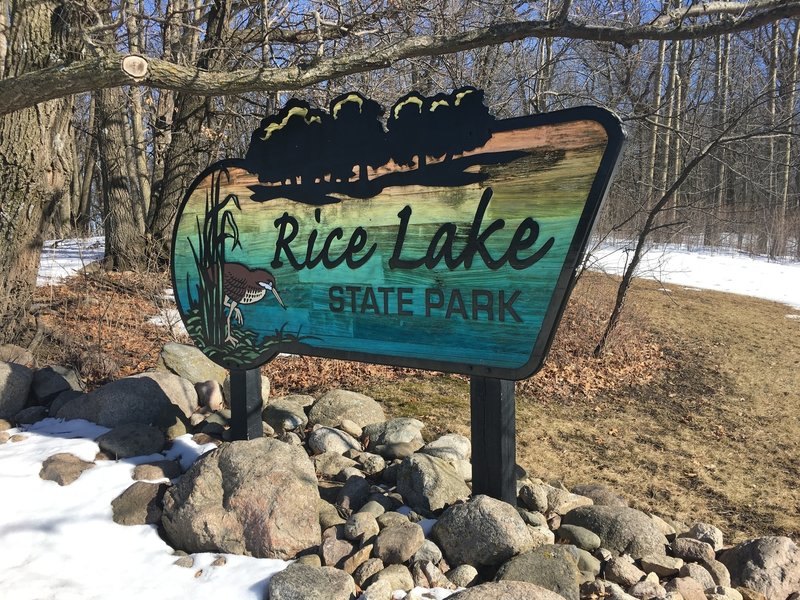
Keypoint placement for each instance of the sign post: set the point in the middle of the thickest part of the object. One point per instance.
(438, 237)
(246, 404)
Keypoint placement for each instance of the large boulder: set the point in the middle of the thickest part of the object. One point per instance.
(190, 363)
(481, 532)
(131, 439)
(429, 483)
(50, 381)
(15, 383)
(335, 406)
(257, 498)
(304, 582)
(552, 567)
(16, 354)
(770, 565)
(625, 530)
(506, 590)
(137, 399)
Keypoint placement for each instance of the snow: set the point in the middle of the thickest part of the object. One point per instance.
(61, 542)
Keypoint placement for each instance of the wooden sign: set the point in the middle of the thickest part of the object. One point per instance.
(437, 237)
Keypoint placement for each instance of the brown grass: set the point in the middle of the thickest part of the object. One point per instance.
(693, 412)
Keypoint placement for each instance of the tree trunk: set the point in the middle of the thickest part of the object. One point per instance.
(34, 166)
(139, 146)
(3, 36)
(657, 105)
(81, 214)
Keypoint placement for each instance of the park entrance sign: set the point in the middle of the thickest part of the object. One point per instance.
(442, 238)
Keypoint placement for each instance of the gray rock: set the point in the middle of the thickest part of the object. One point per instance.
(334, 550)
(328, 515)
(428, 483)
(50, 381)
(304, 582)
(428, 552)
(131, 439)
(621, 570)
(560, 502)
(190, 363)
(588, 565)
(399, 450)
(721, 592)
(330, 464)
(533, 496)
(770, 565)
(303, 400)
(624, 530)
(451, 446)
(719, 572)
(687, 587)
(534, 518)
(361, 526)
(692, 550)
(328, 439)
(600, 495)
(379, 590)
(352, 428)
(338, 405)
(209, 395)
(579, 536)
(11, 353)
(698, 573)
(15, 384)
(395, 432)
(481, 532)
(63, 468)
(357, 558)
(541, 535)
(140, 504)
(62, 398)
(371, 464)
(664, 527)
(390, 518)
(256, 497)
(137, 399)
(284, 414)
(397, 544)
(31, 415)
(462, 575)
(353, 495)
(161, 469)
(263, 392)
(551, 567)
(366, 570)
(647, 590)
(398, 576)
(506, 590)
(706, 532)
(375, 507)
(661, 565)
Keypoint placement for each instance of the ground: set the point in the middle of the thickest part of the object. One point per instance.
(692, 413)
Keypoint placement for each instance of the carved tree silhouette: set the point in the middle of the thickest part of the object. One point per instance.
(471, 123)
(359, 133)
(406, 125)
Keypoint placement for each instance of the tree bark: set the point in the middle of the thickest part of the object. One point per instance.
(34, 167)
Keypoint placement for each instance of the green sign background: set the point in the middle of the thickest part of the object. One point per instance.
(471, 319)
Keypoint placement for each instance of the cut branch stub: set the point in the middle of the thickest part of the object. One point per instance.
(135, 66)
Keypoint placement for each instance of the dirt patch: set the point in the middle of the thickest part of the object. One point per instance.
(692, 413)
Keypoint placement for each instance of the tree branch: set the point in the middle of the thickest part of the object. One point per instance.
(104, 72)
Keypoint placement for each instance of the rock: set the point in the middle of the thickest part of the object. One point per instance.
(699, 573)
(371, 464)
(137, 399)
(481, 532)
(328, 515)
(428, 552)
(209, 395)
(351, 427)
(398, 543)
(357, 558)
(462, 575)
(402, 432)
(770, 565)
(541, 535)
(62, 398)
(506, 590)
(534, 518)
(162, 469)
(190, 363)
(398, 576)
(140, 504)
(721, 592)
(428, 483)
(366, 570)
(748, 594)
(263, 392)
(621, 570)
(451, 446)
(328, 439)
(353, 494)
(330, 464)
(399, 450)
(624, 530)
(338, 405)
(719, 572)
(706, 533)
(303, 400)
(588, 565)
(428, 575)
(600, 495)
(304, 582)
(311, 560)
(63, 468)
(692, 550)
(31, 415)
(256, 497)
(391, 518)
(11, 353)
(131, 439)
(361, 526)
(661, 565)
(50, 381)
(551, 567)
(379, 590)
(15, 384)
(647, 590)
(560, 502)
(579, 536)
(664, 527)
(284, 414)
(186, 562)
(533, 496)
(334, 550)
(687, 587)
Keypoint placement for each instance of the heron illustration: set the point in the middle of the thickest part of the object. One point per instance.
(243, 285)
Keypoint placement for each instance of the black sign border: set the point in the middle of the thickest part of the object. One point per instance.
(566, 279)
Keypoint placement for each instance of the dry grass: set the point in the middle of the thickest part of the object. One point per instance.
(692, 414)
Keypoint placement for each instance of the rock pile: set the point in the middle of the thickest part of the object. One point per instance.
(367, 507)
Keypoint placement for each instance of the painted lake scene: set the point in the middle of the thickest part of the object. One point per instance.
(449, 244)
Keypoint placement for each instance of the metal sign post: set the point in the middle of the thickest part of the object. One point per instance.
(493, 438)
(246, 404)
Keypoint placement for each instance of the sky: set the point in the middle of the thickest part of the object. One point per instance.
(61, 543)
